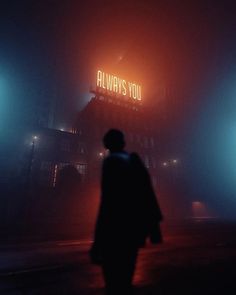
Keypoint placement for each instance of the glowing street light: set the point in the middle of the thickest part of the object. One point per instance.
(170, 163)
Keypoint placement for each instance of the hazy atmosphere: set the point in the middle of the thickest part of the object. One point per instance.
(58, 60)
(183, 55)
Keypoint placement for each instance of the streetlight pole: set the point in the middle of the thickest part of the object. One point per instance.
(31, 161)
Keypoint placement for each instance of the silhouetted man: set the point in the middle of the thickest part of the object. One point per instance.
(128, 214)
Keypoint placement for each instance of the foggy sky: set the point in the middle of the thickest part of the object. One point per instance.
(181, 52)
(174, 48)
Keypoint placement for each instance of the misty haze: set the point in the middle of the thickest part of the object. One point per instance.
(163, 74)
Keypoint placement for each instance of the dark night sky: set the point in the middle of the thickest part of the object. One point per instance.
(50, 51)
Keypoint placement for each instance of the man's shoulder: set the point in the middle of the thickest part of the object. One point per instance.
(136, 159)
(131, 159)
(135, 156)
(124, 156)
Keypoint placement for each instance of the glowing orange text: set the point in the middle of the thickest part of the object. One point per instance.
(119, 86)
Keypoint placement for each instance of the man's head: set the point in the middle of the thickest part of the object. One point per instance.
(114, 140)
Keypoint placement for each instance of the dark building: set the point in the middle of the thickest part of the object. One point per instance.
(82, 147)
(50, 150)
(47, 151)
(105, 112)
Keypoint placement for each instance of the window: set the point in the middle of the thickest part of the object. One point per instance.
(61, 165)
(81, 148)
(146, 160)
(54, 177)
(81, 168)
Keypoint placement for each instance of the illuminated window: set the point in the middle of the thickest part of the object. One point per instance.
(81, 168)
(61, 165)
(81, 149)
(54, 176)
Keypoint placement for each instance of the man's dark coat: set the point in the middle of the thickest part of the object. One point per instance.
(129, 212)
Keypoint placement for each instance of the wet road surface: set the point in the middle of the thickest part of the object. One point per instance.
(197, 259)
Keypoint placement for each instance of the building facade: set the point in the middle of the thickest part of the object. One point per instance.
(82, 148)
(104, 112)
(50, 150)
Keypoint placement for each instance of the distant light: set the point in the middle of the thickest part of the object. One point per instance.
(199, 210)
(175, 161)
(55, 175)
(61, 129)
(165, 164)
(35, 137)
(197, 204)
(120, 58)
(101, 154)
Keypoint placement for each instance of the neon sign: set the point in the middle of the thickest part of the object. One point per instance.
(117, 85)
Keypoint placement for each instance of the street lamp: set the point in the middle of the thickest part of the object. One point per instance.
(170, 162)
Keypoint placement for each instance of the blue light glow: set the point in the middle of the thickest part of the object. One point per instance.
(213, 154)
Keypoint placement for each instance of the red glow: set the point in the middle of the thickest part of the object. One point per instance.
(199, 210)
